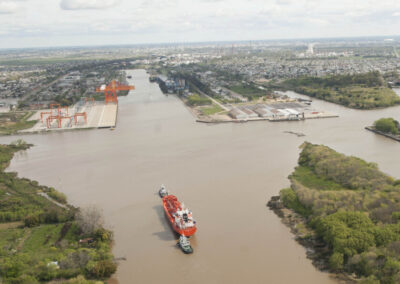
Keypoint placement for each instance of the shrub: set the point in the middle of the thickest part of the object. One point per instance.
(80, 280)
(57, 196)
(46, 272)
(100, 269)
(290, 200)
(31, 221)
(102, 234)
(75, 260)
(347, 232)
(89, 220)
(336, 261)
(23, 279)
(387, 125)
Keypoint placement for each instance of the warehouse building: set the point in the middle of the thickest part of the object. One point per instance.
(237, 114)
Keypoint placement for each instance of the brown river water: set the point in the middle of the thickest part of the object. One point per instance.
(225, 173)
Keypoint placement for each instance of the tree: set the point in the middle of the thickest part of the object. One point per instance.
(387, 125)
(100, 269)
(90, 219)
(336, 261)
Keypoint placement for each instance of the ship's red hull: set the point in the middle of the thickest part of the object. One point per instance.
(171, 203)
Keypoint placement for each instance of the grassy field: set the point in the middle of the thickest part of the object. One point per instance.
(39, 239)
(247, 90)
(12, 122)
(45, 61)
(358, 97)
(197, 100)
(359, 91)
(211, 110)
(309, 179)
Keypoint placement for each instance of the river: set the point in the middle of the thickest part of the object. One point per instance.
(225, 173)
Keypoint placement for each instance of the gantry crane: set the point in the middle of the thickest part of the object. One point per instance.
(59, 116)
(77, 114)
(57, 108)
(110, 91)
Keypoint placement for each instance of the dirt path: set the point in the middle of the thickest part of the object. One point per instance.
(22, 241)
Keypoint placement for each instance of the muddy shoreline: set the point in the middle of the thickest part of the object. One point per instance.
(316, 250)
(394, 137)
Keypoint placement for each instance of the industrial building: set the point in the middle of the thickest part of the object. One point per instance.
(236, 113)
(271, 112)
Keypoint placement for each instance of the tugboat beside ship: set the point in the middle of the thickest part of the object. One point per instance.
(180, 217)
(184, 244)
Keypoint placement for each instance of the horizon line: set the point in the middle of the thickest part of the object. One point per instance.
(201, 42)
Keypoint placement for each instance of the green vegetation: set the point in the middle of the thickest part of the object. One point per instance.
(248, 90)
(360, 91)
(195, 85)
(197, 100)
(38, 61)
(353, 208)
(44, 244)
(11, 122)
(211, 110)
(387, 125)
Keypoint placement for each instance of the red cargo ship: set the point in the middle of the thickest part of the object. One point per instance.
(180, 217)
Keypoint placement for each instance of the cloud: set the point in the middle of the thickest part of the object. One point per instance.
(87, 4)
(8, 7)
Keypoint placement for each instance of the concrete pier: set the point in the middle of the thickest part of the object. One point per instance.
(99, 115)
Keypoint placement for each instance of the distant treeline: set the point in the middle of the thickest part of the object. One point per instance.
(361, 91)
(353, 208)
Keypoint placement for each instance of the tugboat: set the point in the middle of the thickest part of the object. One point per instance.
(162, 192)
(184, 244)
(181, 218)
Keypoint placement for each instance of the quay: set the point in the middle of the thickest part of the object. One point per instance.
(227, 119)
(96, 115)
(394, 137)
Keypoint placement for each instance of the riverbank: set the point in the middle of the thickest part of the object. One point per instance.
(273, 110)
(340, 208)
(42, 237)
(391, 136)
(316, 250)
(12, 122)
(357, 91)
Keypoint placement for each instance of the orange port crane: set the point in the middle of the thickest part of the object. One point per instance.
(56, 107)
(110, 91)
(50, 118)
(89, 100)
(58, 116)
(77, 114)
(59, 119)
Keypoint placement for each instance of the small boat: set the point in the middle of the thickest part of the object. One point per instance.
(181, 218)
(184, 244)
(163, 192)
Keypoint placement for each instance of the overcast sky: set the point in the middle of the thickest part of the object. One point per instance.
(31, 23)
